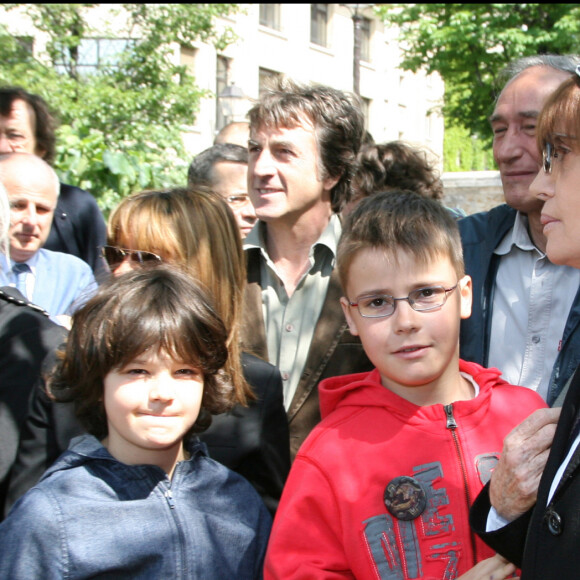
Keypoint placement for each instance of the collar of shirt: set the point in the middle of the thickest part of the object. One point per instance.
(518, 236)
(473, 382)
(6, 265)
(256, 239)
(32, 262)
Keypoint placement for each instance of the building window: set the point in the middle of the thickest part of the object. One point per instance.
(93, 54)
(318, 23)
(26, 43)
(270, 15)
(187, 58)
(221, 82)
(267, 79)
(19, 50)
(365, 39)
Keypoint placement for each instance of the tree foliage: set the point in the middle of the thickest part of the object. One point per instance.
(468, 44)
(463, 152)
(119, 126)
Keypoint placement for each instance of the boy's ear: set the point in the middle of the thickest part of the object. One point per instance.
(349, 320)
(466, 293)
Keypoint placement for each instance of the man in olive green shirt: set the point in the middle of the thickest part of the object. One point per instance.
(302, 149)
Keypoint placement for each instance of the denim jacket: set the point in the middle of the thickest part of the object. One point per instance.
(91, 515)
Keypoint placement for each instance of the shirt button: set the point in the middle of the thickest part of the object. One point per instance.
(555, 525)
(536, 339)
(285, 376)
(289, 327)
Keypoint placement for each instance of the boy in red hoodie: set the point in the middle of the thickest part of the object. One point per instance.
(381, 488)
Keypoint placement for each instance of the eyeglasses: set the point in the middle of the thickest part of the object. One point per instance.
(547, 156)
(238, 200)
(421, 300)
(114, 256)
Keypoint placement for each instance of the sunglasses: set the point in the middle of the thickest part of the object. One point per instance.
(114, 256)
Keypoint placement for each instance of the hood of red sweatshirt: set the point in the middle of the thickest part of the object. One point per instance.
(365, 389)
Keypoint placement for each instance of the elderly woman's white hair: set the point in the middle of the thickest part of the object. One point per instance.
(4, 220)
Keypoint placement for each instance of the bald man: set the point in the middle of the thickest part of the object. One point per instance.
(55, 281)
(27, 126)
(237, 132)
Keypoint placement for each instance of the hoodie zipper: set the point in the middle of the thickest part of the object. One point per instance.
(167, 493)
(169, 497)
(181, 562)
(451, 425)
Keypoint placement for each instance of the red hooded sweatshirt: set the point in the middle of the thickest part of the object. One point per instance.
(381, 488)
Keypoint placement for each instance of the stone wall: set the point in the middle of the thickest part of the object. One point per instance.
(472, 191)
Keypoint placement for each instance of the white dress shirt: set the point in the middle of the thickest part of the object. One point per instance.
(532, 299)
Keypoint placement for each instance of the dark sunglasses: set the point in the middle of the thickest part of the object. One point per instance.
(114, 256)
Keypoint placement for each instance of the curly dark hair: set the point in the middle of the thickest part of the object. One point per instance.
(155, 308)
(395, 165)
(44, 122)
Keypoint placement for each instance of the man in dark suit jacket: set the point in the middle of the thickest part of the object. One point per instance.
(529, 511)
(78, 226)
(302, 151)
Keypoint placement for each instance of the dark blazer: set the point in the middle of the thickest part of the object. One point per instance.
(78, 227)
(545, 541)
(481, 233)
(333, 351)
(27, 338)
(252, 441)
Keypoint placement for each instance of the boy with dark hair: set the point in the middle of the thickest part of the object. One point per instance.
(138, 497)
(382, 486)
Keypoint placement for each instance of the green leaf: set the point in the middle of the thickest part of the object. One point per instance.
(119, 127)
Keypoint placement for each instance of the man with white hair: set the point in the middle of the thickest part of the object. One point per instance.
(525, 318)
(53, 280)
(27, 337)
